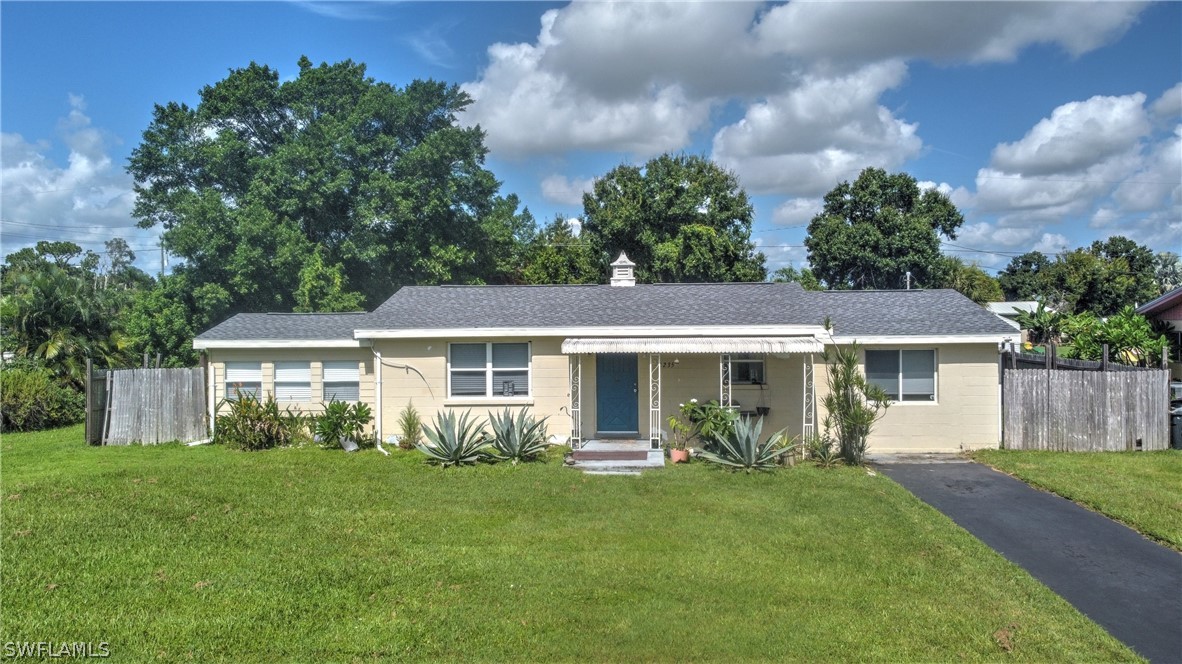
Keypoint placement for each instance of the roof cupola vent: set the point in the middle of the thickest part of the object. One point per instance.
(622, 271)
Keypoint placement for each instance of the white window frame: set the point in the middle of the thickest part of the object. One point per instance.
(355, 378)
(254, 367)
(899, 375)
(748, 358)
(301, 376)
(489, 393)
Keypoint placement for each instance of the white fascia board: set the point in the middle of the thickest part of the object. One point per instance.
(928, 340)
(659, 331)
(206, 344)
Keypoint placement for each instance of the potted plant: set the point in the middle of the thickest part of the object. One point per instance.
(681, 430)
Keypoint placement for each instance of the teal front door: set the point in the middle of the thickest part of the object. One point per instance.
(615, 394)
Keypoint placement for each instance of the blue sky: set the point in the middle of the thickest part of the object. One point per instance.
(1050, 125)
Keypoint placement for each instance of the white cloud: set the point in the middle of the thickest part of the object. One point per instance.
(347, 10)
(1157, 181)
(1169, 105)
(563, 91)
(1052, 243)
(860, 32)
(565, 191)
(88, 201)
(827, 129)
(797, 211)
(961, 197)
(1099, 162)
(1076, 136)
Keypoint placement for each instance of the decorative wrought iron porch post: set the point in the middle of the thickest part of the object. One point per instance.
(654, 400)
(724, 381)
(576, 399)
(809, 415)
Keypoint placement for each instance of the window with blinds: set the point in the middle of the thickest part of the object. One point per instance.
(243, 379)
(293, 381)
(488, 370)
(342, 381)
(905, 375)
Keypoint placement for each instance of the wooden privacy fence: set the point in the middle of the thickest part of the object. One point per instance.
(147, 406)
(1086, 410)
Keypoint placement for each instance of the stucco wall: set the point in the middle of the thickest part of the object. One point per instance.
(316, 358)
(415, 371)
(965, 414)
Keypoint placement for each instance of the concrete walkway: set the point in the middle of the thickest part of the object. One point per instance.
(1129, 585)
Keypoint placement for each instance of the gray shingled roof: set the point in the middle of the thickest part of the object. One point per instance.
(256, 327)
(859, 313)
(907, 312)
(591, 306)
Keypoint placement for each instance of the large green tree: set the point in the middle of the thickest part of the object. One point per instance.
(261, 172)
(265, 180)
(680, 218)
(968, 280)
(874, 230)
(1023, 278)
(61, 305)
(557, 255)
(1102, 278)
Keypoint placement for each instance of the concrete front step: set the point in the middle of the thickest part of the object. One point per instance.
(610, 455)
(617, 457)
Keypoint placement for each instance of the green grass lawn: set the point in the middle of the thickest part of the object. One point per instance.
(302, 554)
(1140, 489)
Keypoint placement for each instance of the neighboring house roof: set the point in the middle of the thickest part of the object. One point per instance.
(1161, 304)
(1012, 309)
(915, 313)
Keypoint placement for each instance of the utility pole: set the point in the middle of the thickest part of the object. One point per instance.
(163, 259)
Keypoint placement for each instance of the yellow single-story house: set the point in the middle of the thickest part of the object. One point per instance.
(614, 361)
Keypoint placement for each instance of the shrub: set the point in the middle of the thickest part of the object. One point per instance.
(822, 451)
(709, 420)
(741, 449)
(412, 428)
(853, 404)
(342, 421)
(454, 443)
(258, 425)
(518, 437)
(31, 400)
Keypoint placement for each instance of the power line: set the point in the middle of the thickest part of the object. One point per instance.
(8, 222)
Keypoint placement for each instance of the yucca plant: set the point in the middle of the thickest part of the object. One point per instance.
(518, 437)
(741, 449)
(454, 443)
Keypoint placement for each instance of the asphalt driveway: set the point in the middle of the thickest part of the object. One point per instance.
(1128, 584)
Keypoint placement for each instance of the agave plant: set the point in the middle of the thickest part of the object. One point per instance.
(740, 448)
(517, 437)
(454, 443)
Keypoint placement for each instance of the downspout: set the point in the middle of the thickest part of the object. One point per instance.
(212, 392)
(378, 364)
(377, 388)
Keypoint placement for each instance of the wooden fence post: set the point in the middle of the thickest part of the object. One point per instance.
(1104, 360)
(89, 402)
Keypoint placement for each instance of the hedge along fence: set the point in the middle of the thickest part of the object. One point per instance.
(152, 406)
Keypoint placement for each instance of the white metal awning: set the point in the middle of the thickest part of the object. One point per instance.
(720, 345)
